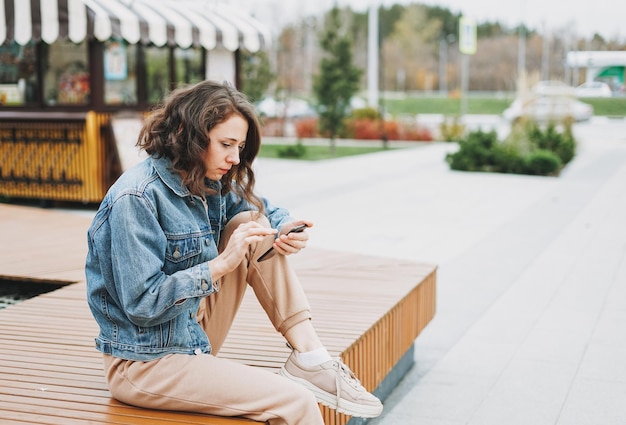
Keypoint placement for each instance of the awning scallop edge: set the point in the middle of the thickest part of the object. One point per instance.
(155, 22)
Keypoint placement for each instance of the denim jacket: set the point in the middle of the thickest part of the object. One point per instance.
(146, 267)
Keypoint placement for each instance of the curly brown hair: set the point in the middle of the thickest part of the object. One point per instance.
(178, 129)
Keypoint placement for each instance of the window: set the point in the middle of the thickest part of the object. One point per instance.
(18, 74)
(157, 73)
(59, 75)
(120, 73)
(188, 64)
(66, 74)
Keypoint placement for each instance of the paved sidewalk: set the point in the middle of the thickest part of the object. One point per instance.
(531, 320)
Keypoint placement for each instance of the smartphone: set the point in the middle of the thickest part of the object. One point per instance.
(270, 252)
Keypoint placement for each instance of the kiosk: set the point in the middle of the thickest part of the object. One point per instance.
(606, 66)
(67, 67)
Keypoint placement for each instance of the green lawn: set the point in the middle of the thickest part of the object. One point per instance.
(444, 105)
(615, 106)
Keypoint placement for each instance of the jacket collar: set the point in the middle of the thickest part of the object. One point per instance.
(163, 167)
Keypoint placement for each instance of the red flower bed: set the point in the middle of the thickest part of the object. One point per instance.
(307, 127)
(367, 129)
(359, 128)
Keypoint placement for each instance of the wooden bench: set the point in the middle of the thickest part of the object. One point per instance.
(368, 310)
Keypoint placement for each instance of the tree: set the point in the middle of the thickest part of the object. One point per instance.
(257, 75)
(338, 79)
(409, 60)
(449, 21)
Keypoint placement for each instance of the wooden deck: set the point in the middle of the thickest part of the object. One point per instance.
(369, 310)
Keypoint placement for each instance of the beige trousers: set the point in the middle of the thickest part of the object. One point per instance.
(212, 385)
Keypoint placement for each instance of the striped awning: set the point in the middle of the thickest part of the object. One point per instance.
(182, 23)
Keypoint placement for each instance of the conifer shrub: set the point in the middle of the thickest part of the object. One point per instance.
(560, 142)
(476, 152)
(508, 159)
(529, 149)
(543, 163)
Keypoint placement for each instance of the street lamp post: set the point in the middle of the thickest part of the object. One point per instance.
(443, 65)
(372, 57)
(521, 53)
(467, 47)
(444, 41)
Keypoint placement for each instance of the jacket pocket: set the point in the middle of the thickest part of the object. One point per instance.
(181, 249)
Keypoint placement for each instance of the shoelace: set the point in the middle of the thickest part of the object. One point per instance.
(344, 371)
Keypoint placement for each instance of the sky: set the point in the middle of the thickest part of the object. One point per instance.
(582, 17)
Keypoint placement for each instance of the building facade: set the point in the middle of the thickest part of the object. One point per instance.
(107, 54)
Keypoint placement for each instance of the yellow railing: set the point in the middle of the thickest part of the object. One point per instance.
(62, 157)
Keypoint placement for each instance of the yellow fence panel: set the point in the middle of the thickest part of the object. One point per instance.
(47, 156)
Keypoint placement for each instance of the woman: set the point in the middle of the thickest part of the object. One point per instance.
(172, 249)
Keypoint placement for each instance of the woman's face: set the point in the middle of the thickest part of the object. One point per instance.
(226, 141)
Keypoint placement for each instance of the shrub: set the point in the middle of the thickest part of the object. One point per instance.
(509, 159)
(307, 127)
(272, 127)
(358, 128)
(460, 162)
(476, 152)
(543, 163)
(391, 130)
(292, 151)
(367, 113)
(529, 149)
(414, 132)
(451, 129)
(365, 129)
(562, 143)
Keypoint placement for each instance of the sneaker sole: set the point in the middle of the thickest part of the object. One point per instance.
(330, 400)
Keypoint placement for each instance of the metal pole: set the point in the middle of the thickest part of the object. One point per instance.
(521, 54)
(443, 66)
(464, 82)
(372, 57)
(545, 54)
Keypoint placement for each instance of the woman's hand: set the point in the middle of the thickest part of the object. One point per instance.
(237, 247)
(291, 243)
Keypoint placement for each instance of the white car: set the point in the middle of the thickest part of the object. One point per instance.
(549, 108)
(594, 89)
(290, 108)
(552, 88)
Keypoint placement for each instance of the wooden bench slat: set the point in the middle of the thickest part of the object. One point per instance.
(56, 397)
(21, 416)
(52, 391)
(53, 378)
(97, 405)
(88, 363)
(33, 375)
(60, 412)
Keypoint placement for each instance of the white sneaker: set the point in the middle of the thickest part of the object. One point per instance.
(335, 386)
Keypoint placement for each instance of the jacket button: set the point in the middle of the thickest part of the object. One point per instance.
(176, 253)
(205, 285)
